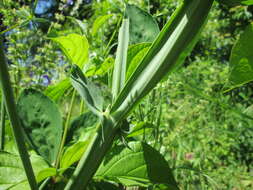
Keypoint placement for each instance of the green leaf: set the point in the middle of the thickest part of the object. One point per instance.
(45, 173)
(143, 27)
(57, 91)
(140, 129)
(135, 54)
(241, 60)
(236, 2)
(12, 175)
(75, 47)
(42, 122)
(167, 53)
(140, 165)
(100, 70)
(119, 72)
(73, 154)
(81, 127)
(88, 91)
(99, 22)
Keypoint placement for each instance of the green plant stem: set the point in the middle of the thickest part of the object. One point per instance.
(2, 127)
(65, 130)
(93, 156)
(81, 107)
(14, 119)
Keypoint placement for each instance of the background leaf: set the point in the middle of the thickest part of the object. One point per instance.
(140, 32)
(139, 165)
(241, 60)
(236, 2)
(99, 22)
(42, 122)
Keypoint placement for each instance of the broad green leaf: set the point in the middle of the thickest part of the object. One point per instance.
(45, 173)
(167, 52)
(236, 2)
(143, 27)
(73, 154)
(99, 22)
(88, 91)
(119, 71)
(140, 165)
(135, 54)
(101, 69)
(57, 91)
(75, 47)
(12, 175)
(81, 127)
(42, 122)
(140, 129)
(241, 60)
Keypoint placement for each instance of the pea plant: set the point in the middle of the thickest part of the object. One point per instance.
(72, 157)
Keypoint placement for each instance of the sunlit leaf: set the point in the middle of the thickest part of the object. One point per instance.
(75, 47)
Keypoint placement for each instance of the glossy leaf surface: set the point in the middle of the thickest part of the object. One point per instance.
(42, 122)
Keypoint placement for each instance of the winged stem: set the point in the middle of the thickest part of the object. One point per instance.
(167, 52)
